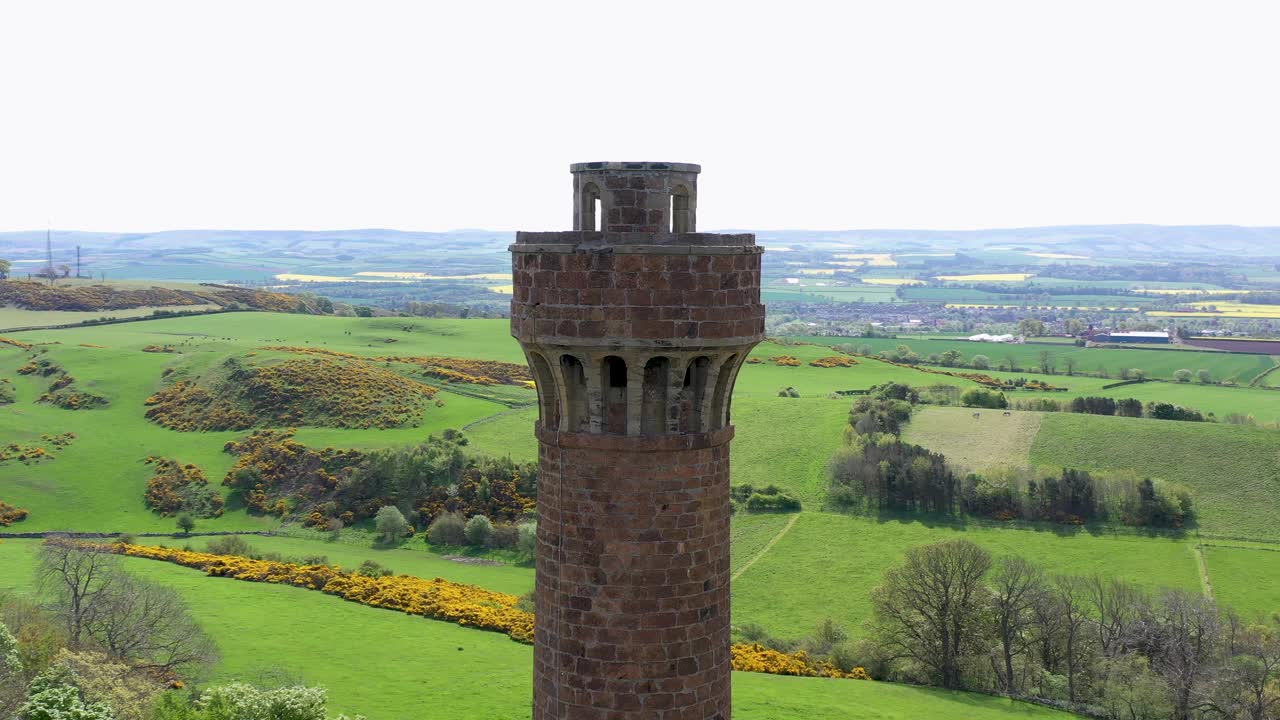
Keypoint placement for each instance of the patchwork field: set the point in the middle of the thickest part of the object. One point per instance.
(792, 570)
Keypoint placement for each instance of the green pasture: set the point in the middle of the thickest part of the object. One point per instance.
(392, 666)
(1157, 363)
(826, 565)
(1237, 575)
(1232, 471)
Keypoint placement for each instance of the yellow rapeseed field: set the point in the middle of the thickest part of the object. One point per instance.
(987, 277)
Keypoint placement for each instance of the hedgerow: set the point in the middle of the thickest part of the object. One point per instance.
(176, 488)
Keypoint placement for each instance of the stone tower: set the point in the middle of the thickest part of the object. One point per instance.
(635, 327)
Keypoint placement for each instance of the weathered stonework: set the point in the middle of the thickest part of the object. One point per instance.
(635, 335)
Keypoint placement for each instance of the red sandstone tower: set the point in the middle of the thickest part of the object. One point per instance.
(635, 327)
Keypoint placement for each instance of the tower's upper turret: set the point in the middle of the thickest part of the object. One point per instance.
(651, 197)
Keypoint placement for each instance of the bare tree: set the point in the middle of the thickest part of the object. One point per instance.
(929, 608)
(76, 578)
(131, 618)
(1015, 588)
(1116, 606)
(1183, 641)
(150, 626)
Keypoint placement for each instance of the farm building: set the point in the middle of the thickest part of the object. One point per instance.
(983, 337)
(1157, 337)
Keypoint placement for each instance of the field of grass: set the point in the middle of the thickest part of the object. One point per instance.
(1157, 363)
(1005, 441)
(392, 666)
(1235, 573)
(827, 563)
(1233, 472)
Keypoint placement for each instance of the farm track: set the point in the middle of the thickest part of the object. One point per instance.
(768, 546)
(1202, 569)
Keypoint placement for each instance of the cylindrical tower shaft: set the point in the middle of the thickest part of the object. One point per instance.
(635, 337)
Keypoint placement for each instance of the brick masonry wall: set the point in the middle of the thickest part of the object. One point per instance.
(565, 297)
(633, 577)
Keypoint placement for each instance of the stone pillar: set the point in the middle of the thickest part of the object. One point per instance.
(633, 502)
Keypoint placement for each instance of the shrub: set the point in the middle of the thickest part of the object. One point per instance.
(448, 529)
(371, 568)
(478, 531)
(505, 536)
(228, 545)
(788, 392)
(761, 502)
(980, 362)
(528, 542)
(1204, 376)
(186, 523)
(10, 514)
(390, 523)
(1183, 375)
(981, 398)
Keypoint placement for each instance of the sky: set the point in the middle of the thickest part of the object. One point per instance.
(272, 114)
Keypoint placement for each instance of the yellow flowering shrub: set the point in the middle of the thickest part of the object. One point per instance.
(32, 453)
(15, 343)
(450, 369)
(832, 361)
(10, 514)
(176, 488)
(753, 657)
(785, 360)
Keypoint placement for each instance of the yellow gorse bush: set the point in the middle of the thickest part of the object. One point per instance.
(832, 361)
(757, 658)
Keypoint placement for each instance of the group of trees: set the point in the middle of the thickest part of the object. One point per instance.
(953, 616)
(877, 471)
(1119, 407)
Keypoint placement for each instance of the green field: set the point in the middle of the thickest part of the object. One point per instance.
(392, 666)
(1233, 472)
(1235, 573)
(1239, 367)
(826, 564)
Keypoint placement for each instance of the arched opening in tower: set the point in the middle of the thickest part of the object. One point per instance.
(577, 418)
(613, 394)
(548, 393)
(653, 409)
(693, 395)
(589, 210)
(724, 387)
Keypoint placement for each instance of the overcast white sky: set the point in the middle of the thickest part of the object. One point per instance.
(138, 116)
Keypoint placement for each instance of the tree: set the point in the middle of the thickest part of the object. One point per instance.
(1014, 589)
(186, 523)
(1128, 689)
(1248, 686)
(1030, 327)
(1204, 376)
(1070, 364)
(929, 608)
(4, 269)
(10, 671)
(1046, 362)
(1066, 597)
(149, 626)
(1116, 607)
(53, 695)
(1183, 641)
(390, 524)
(1183, 375)
(478, 530)
(951, 358)
(77, 579)
(980, 362)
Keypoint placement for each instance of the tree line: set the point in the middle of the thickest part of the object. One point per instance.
(950, 615)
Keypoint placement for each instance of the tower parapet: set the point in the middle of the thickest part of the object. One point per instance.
(635, 335)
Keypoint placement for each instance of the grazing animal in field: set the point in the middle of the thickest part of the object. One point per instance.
(1007, 413)
(975, 415)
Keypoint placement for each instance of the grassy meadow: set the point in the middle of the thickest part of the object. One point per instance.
(791, 571)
